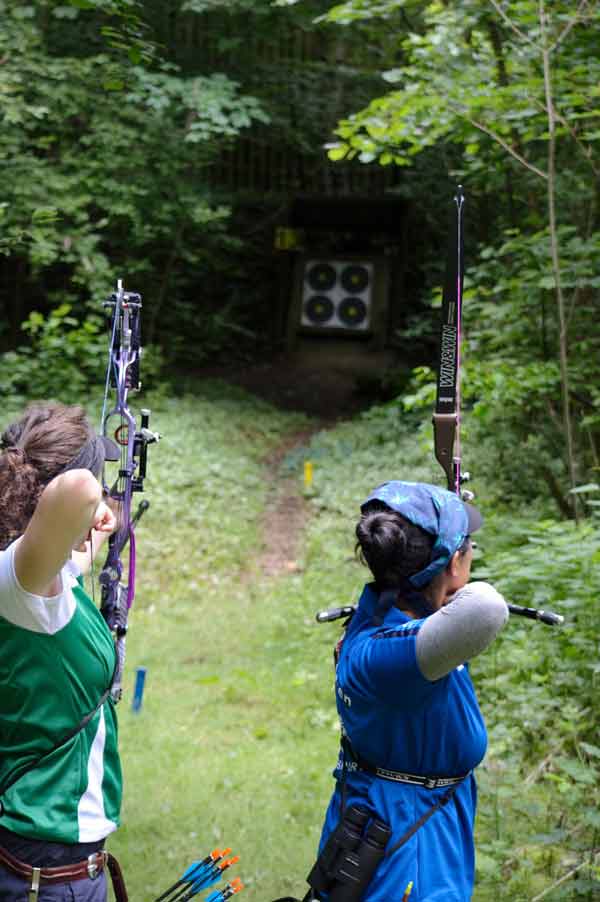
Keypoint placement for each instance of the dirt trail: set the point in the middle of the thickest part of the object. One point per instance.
(287, 511)
(328, 392)
(325, 389)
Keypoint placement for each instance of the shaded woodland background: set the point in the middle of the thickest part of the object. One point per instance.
(166, 142)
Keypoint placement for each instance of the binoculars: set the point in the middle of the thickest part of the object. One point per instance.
(350, 856)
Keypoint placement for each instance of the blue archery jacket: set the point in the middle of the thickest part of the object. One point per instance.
(396, 719)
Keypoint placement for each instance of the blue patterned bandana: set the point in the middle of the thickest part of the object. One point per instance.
(439, 512)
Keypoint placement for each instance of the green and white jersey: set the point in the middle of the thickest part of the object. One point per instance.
(57, 659)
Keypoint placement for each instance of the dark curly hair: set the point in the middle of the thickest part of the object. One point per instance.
(34, 450)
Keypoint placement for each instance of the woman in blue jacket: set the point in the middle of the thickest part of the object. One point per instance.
(412, 731)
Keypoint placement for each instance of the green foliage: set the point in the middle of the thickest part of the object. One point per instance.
(118, 123)
(512, 377)
(36, 232)
(466, 77)
(543, 729)
(107, 161)
(472, 76)
(207, 6)
(65, 358)
(209, 108)
(60, 360)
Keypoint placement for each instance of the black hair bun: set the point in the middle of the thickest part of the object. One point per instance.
(391, 546)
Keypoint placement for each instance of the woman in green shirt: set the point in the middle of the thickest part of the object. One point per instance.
(60, 776)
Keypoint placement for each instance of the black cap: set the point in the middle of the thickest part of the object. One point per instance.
(475, 518)
(92, 455)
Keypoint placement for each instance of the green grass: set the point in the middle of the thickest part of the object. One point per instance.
(218, 755)
(238, 736)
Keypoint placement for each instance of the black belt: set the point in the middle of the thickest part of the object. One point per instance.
(397, 776)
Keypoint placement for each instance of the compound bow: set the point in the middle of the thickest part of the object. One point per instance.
(446, 417)
(123, 374)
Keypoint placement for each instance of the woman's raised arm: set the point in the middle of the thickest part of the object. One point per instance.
(70, 505)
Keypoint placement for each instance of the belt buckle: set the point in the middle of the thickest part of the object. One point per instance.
(93, 867)
(431, 783)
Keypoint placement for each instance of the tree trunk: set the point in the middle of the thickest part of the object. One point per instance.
(551, 195)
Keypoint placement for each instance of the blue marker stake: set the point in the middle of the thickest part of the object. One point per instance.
(138, 692)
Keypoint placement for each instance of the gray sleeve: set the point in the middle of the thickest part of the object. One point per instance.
(460, 630)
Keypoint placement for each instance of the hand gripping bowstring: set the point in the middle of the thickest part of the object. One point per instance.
(123, 374)
(446, 417)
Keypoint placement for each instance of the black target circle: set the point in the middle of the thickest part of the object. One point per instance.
(318, 308)
(321, 277)
(355, 278)
(352, 311)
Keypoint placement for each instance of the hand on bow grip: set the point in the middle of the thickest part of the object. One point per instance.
(104, 521)
(105, 518)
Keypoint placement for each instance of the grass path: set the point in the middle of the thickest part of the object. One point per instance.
(212, 759)
(286, 512)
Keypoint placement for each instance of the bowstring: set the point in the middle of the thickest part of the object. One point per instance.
(92, 574)
(109, 366)
(110, 351)
(458, 448)
(494, 775)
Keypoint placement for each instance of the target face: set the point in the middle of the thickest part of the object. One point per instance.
(354, 279)
(336, 294)
(319, 308)
(321, 277)
(352, 311)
